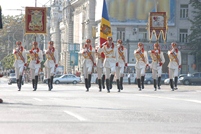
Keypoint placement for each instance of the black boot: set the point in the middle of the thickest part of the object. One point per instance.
(155, 85)
(121, 83)
(159, 82)
(111, 80)
(51, 82)
(36, 83)
(175, 82)
(86, 85)
(20, 82)
(103, 81)
(171, 84)
(142, 80)
(89, 80)
(99, 84)
(33, 83)
(139, 84)
(108, 85)
(118, 85)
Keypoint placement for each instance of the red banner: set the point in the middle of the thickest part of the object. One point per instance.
(35, 20)
(157, 24)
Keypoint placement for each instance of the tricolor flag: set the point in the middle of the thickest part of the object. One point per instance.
(105, 28)
(1, 25)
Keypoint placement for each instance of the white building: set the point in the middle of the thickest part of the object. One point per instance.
(73, 21)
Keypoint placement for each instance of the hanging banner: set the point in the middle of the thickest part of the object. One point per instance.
(35, 20)
(157, 24)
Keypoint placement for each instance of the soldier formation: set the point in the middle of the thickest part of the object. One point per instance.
(110, 59)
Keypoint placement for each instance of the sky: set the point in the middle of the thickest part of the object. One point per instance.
(16, 7)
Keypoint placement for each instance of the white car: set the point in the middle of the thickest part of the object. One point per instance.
(167, 81)
(67, 78)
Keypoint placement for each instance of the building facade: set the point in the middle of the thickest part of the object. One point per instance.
(76, 20)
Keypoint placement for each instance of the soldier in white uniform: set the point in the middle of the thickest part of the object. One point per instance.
(36, 56)
(141, 64)
(51, 63)
(122, 62)
(110, 61)
(157, 61)
(20, 62)
(174, 65)
(88, 54)
(99, 64)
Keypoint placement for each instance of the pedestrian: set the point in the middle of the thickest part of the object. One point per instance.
(174, 65)
(35, 63)
(142, 64)
(121, 63)
(129, 78)
(88, 63)
(157, 61)
(110, 61)
(51, 63)
(20, 63)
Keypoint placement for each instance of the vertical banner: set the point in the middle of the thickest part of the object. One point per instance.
(157, 24)
(35, 20)
(1, 24)
(105, 27)
(73, 59)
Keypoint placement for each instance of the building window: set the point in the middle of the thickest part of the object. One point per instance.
(142, 34)
(183, 11)
(121, 33)
(183, 33)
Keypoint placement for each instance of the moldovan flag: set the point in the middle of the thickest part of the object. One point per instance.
(105, 28)
(1, 25)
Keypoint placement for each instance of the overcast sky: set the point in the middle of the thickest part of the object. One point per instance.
(14, 7)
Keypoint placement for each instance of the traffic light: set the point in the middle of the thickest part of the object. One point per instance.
(1, 25)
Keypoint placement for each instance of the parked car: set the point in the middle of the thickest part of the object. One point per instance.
(191, 79)
(67, 78)
(167, 81)
(148, 80)
(55, 76)
(12, 79)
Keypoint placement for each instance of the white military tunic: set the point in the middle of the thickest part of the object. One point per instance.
(122, 60)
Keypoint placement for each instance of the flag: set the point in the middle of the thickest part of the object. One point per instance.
(105, 27)
(1, 25)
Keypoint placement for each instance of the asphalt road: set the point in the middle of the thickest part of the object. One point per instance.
(68, 109)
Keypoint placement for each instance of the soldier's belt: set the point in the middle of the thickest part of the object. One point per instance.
(17, 58)
(49, 58)
(172, 60)
(110, 56)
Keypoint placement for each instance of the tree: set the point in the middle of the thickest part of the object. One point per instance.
(195, 36)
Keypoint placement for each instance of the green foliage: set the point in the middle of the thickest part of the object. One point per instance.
(7, 61)
(195, 36)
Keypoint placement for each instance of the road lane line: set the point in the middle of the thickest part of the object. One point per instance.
(168, 98)
(37, 99)
(76, 116)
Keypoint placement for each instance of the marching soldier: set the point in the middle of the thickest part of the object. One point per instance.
(141, 64)
(157, 61)
(36, 56)
(88, 63)
(122, 62)
(110, 62)
(51, 63)
(20, 62)
(174, 65)
(99, 64)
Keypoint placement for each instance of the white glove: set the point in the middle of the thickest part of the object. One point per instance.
(156, 51)
(34, 51)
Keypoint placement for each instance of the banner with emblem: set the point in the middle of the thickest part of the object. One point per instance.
(105, 27)
(35, 20)
(157, 24)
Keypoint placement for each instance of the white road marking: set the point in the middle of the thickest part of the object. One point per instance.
(76, 116)
(37, 99)
(195, 101)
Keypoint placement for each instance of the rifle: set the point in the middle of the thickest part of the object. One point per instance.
(175, 57)
(20, 54)
(122, 55)
(90, 56)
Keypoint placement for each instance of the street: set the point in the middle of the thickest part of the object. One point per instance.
(68, 109)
